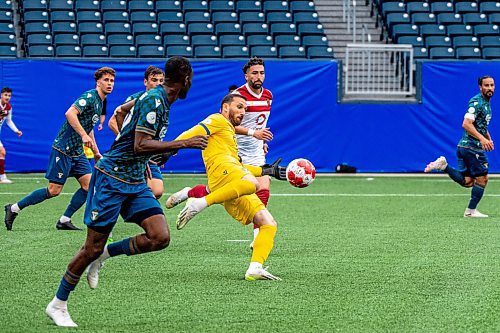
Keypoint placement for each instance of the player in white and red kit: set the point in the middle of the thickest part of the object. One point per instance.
(252, 134)
(6, 117)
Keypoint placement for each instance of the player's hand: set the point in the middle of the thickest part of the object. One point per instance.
(274, 170)
(161, 159)
(88, 142)
(19, 133)
(263, 134)
(487, 144)
(97, 157)
(198, 141)
(265, 148)
(147, 173)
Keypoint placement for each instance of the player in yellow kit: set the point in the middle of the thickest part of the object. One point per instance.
(233, 184)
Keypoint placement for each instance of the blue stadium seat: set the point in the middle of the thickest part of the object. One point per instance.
(275, 6)
(116, 5)
(68, 51)
(228, 17)
(314, 41)
(144, 17)
(420, 53)
(122, 51)
(488, 7)
(36, 28)
(255, 29)
(207, 52)
(283, 29)
(442, 7)
(248, 6)
(397, 18)
(449, 18)
(254, 40)
(434, 41)
(55, 5)
(207, 40)
(115, 16)
(88, 16)
(280, 17)
(141, 5)
(149, 39)
(466, 7)
(7, 39)
(463, 41)
(286, 52)
(93, 39)
(490, 41)
(177, 50)
(491, 52)
(442, 53)
(310, 29)
(170, 17)
(62, 16)
(8, 51)
(201, 28)
(151, 51)
(39, 39)
(302, 6)
(233, 51)
(494, 18)
(232, 40)
(66, 39)
(36, 16)
(393, 7)
(6, 28)
(28, 5)
(305, 17)
(264, 52)
(459, 30)
(486, 30)
(194, 5)
(197, 17)
(252, 17)
(172, 40)
(94, 51)
(5, 5)
(168, 5)
(317, 52)
(228, 29)
(40, 51)
(290, 40)
(6, 16)
(117, 28)
(416, 41)
(222, 6)
(121, 39)
(90, 28)
(468, 53)
(144, 28)
(92, 5)
(64, 28)
(172, 28)
(417, 7)
(474, 18)
(399, 30)
(432, 30)
(423, 18)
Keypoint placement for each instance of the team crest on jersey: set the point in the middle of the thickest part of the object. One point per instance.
(471, 109)
(151, 118)
(269, 102)
(82, 102)
(207, 121)
(95, 214)
(95, 118)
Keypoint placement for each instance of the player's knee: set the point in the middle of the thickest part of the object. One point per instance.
(157, 192)
(2, 153)
(54, 191)
(482, 181)
(161, 240)
(468, 183)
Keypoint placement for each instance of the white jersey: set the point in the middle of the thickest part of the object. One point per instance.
(7, 108)
(250, 149)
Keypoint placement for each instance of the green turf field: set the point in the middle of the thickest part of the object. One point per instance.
(355, 254)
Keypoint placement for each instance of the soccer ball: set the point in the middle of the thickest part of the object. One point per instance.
(300, 172)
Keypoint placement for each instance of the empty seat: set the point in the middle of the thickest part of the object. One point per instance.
(449, 18)
(420, 53)
(233, 40)
(40, 51)
(442, 7)
(274, 6)
(93, 51)
(404, 30)
(416, 41)
(423, 18)
(442, 53)
(107, 5)
(178, 50)
(283, 29)
(115, 16)
(393, 7)
(7, 39)
(170, 17)
(90, 28)
(68, 51)
(314, 41)
(121, 39)
(219, 17)
(264, 52)
(141, 5)
(488, 7)
(66, 39)
(151, 51)
(462, 41)
(397, 18)
(39, 39)
(255, 40)
(148, 39)
(64, 28)
(5, 16)
(207, 40)
(88, 16)
(8, 51)
(280, 17)
(117, 28)
(87, 5)
(6, 28)
(255, 29)
(417, 7)
(122, 51)
(292, 52)
(28, 5)
(197, 17)
(146, 17)
(432, 30)
(302, 6)
(62, 16)
(494, 18)
(144, 28)
(486, 30)
(176, 40)
(491, 52)
(194, 5)
(474, 18)
(6, 5)
(168, 5)
(93, 39)
(433, 41)
(36, 16)
(172, 28)
(468, 53)
(60, 5)
(285, 40)
(247, 6)
(459, 30)
(252, 17)
(466, 7)
(488, 41)
(201, 28)
(207, 52)
(305, 17)
(304, 29)
(36, 28)
(234, 51)
(316, 52)
(223, 6)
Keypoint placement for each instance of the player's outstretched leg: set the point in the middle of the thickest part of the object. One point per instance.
(177, 197)
(10, 216)
(77, 201)
(476, 196)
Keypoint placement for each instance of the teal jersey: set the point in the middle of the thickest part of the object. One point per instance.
(150, 116)
(135, 96)
(89, 106)
(479, 111)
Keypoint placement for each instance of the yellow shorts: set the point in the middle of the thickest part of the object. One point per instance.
(225, 173)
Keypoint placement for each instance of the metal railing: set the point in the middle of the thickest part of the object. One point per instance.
(378, 69)
(349, 15)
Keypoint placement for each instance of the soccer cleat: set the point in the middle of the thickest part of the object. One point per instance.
(439, 164)
(10, 216)
(474, 213)
(177, 198)
(59, 315)
(93, 272)
(6, 181)
(260, 273)
(66, 226)
(193, 207)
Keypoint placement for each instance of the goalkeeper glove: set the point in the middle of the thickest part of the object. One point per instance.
(161, 159)
(274, 170)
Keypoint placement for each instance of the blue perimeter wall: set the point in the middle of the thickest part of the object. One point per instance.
(306, 119)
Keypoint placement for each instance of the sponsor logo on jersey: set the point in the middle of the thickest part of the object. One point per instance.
(59, 174)
(151, 118)
(95, 214)
(163, 132)
(207, 121)
(157, 102)
(95, 118)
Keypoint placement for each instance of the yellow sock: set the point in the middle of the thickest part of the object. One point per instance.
(230, 191)
(263, 244)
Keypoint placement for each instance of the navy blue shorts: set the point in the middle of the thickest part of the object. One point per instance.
(472, 163)
(62, 166)
(109, 197)
(155, 171)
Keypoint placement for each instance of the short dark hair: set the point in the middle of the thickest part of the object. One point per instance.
(228, 99)
(103, 71)
(176, 69)
(152, 71)
(232, 88)
(6, 89)
(252, 62)
(480, 80)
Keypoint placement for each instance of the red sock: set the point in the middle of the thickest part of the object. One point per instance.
(2, 166)
(263, 196)
(199, 191)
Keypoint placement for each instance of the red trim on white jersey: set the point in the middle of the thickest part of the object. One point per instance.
(256, 103)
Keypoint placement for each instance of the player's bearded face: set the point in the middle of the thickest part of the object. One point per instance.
(255, 76)
(237, 110)
(187, 85)
(488, 88)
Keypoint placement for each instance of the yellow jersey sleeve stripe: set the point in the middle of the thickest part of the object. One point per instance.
(205, 127)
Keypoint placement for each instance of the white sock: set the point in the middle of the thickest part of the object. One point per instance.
(57, 303)
(3, 176)
(15, 208)
(184, 192)
(64, 219)
(105, 254)
(255, 233)
(254, 265)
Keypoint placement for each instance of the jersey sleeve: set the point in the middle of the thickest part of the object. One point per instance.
(10, 122)
(472, 110)
(84, 103)
(213, 123)
(148, 108)
(209, 126)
